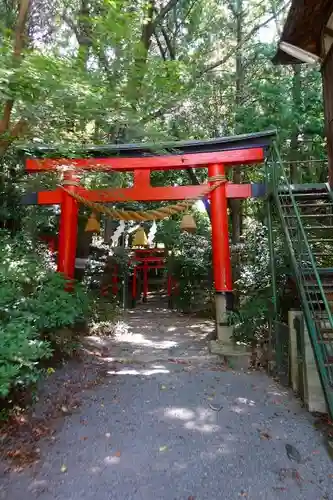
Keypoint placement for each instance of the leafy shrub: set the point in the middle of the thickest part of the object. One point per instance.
(53, 307)
(34, 307)
(192, 268)
(20, 351)
(252, 319)
(190, 262)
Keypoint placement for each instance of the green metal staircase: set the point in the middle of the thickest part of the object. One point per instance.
(306, 215)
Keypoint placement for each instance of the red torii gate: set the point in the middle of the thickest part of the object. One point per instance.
(216, 155)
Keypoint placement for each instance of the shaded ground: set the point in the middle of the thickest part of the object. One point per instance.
(161, 419)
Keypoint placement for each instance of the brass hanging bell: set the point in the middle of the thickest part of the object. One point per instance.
(188, 224)
(93, 225)
(140, 238)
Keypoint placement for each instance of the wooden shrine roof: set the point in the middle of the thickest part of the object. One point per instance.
(304, 26)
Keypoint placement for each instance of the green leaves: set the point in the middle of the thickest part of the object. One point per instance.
(20, 351)
(190, 261)
(34, 309)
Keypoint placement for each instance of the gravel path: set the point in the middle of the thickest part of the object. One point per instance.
(169, 422)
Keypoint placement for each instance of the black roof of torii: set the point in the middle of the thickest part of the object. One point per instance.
(244, 141)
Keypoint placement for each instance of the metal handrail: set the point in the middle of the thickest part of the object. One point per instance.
(305, 240)
(294, 226)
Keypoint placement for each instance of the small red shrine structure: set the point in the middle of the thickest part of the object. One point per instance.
(145, 260)
(217, 155)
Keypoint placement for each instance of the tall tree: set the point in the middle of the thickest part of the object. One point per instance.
(10, 131)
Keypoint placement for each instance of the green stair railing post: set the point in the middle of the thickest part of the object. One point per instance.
(269, 206)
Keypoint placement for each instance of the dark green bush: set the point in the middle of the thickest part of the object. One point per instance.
(190, 262)
(34, 307)
(192, 268)
(21, 348)
(53, 307)
(251, 321)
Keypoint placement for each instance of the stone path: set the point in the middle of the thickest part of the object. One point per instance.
(170, 423)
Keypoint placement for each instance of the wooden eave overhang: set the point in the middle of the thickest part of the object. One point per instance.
(307, 23)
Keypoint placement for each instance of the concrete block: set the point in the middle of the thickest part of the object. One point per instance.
(314, 394)
(235, 356)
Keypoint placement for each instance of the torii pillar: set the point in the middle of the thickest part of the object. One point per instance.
(221, 252)
(68, 226)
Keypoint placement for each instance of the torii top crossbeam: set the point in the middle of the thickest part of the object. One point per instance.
(245, 149)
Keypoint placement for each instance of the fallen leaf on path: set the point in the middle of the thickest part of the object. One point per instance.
(178, 361)
(215, 408)
(84, 438)
(293, 453)
(63, 468)
(290, 474)
(163, 448)
(24, 455)
(265, 435)
(296, 475)
(117, 454)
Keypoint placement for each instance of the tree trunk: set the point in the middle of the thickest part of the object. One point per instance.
(9, 131)
(236, 205)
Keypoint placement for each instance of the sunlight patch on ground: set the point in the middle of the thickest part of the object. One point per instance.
(123, 334)
(277, 393)
(213, 454)
(131, 371)
(202, 326)
(38, 485)
(179, 466)
(140, 340)
(111, 460)
(95, 470)
(95, 340)
(202, 419)
(245, 401)
(237, 409)
(180, 413)
(202, 427)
